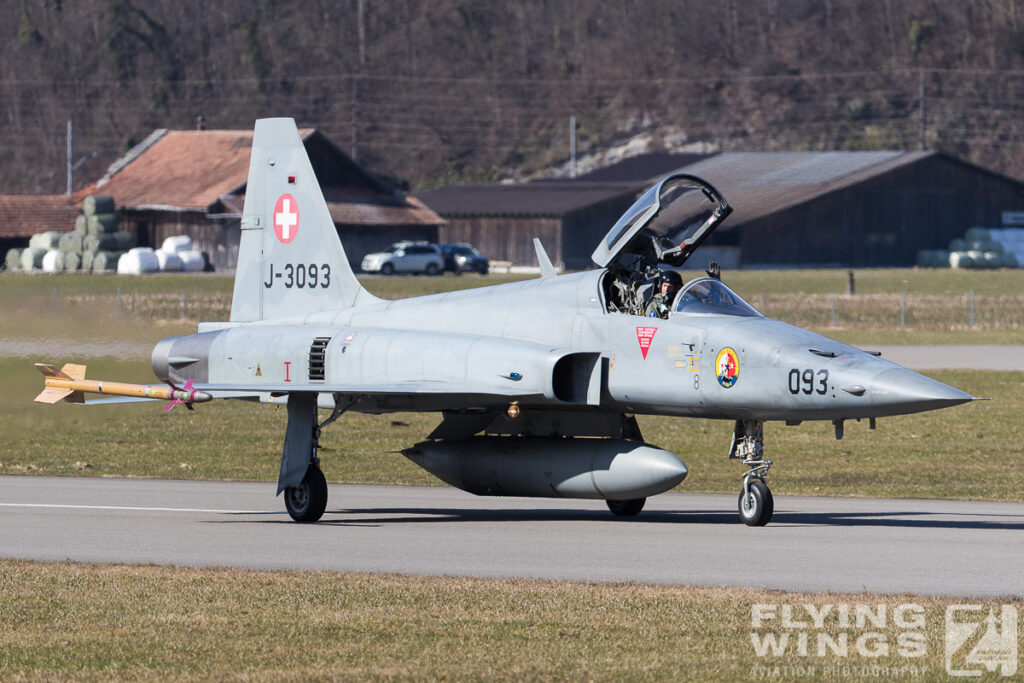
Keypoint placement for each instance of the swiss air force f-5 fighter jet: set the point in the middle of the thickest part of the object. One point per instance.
(537, 382)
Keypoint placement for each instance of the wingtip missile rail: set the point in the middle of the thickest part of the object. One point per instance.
(69, 384)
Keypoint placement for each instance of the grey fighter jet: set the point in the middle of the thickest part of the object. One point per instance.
(537, 382)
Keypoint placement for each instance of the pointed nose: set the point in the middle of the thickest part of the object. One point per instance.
(904, 391)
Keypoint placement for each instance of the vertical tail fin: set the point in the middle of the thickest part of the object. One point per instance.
(290, 260)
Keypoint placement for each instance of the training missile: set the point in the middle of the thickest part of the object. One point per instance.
(69, 384)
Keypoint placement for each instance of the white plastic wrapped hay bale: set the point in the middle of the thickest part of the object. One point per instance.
(960, 259)
(98, 203)
(109, 241)
(32, 258)
(104, 261)
(169, 261)
(176, 244)
(82, 225)
(138, 261)
(13, 259)
(72, 261)
(192, 261)
(45, 240)
(87, 257)
(53, 261)
(101, 223)
(992, 259)
(71, 242)
(976, 234)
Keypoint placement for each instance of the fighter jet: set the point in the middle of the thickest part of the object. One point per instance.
(538, 382)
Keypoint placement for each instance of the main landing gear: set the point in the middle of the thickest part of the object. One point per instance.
(301, 480)
(755, 503)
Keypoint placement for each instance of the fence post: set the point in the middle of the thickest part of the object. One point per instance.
(118, 299)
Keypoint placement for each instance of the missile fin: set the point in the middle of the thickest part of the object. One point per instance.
(51, 396)
(51, 371)
(73, 371)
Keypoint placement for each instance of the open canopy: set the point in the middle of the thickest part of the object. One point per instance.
(666, 224)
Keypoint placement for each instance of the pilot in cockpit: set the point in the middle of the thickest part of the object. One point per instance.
(668, 284)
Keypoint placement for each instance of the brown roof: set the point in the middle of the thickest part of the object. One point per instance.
(180, 169)
(195, 170)
(757, 184)
(26, 215)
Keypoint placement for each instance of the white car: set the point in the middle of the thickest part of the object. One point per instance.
(406, 257)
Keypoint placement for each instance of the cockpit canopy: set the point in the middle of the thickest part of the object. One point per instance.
(709, 296)
(665, 225)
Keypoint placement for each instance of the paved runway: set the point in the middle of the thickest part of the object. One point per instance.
(953, 357)
(838, 544)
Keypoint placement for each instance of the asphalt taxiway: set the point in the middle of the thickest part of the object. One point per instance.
(929, 547)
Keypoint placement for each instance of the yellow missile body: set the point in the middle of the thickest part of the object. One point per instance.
(69, 384)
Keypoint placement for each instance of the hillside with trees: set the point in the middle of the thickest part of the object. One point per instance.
(470, 89)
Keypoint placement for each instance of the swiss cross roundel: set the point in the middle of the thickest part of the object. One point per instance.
(286, 218)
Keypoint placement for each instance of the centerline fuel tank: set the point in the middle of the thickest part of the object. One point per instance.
(610, 469)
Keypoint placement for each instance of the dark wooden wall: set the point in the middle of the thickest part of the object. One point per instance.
(507, 238)
(883, 221)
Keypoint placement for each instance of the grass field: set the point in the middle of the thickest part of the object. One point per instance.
(935, 305)
(64, 621)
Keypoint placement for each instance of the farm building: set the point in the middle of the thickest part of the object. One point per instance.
(863, 209)
(569, 217)
(193, 183)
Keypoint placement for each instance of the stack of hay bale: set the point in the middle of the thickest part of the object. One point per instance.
(102, 243)
(979, 248)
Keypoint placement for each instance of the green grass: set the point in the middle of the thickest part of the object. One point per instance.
(963, 452)
(937, 303)
(72, 621)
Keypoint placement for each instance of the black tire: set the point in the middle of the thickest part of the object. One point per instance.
(626, 508)
(757, 508)
(387, 269)
(307, 501)
(432, 269)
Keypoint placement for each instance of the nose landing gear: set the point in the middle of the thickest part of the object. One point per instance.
(755, 503)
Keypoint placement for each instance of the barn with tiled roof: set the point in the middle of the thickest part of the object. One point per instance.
(193, 182)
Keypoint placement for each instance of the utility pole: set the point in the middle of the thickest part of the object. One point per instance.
(69, 157)
(572, 147)
(921, 115)
(361, 9)
(355, 118)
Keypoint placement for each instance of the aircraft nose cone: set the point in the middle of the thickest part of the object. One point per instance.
(905, 391)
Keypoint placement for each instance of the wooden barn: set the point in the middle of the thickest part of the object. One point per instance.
(569, 217)
(849, 209)
(193, 183)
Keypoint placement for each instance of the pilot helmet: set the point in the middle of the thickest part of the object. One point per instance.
(672, 277)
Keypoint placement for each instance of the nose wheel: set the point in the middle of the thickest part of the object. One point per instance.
(756, 504)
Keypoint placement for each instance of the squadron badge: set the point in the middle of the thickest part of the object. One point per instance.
(727, 367)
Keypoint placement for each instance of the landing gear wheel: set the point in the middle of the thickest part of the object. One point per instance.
(757, 506)
(626, 508)
(307, 501)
